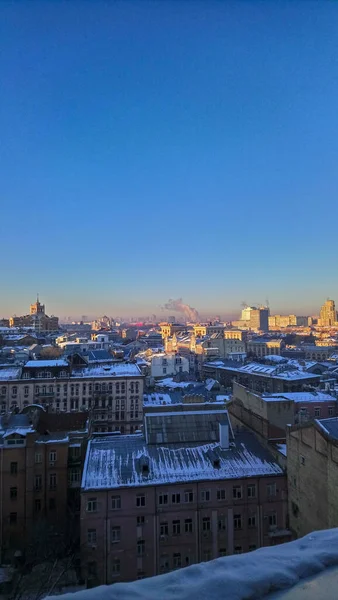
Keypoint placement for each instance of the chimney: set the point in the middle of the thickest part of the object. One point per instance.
(224, 435)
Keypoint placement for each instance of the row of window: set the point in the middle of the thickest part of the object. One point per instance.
(13, 516)
(188, 497)
(186, 526)
(97, 387)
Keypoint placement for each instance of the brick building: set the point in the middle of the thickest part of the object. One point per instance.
(41, 458)
(185, 492)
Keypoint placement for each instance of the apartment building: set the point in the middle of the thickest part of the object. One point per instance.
(208, 329)
(187, 491)
(261, 347)
(168, 364)
(112, 393)
(259, 377)
(312, 467)
(270, 414)
(37, 319)
(41, 459)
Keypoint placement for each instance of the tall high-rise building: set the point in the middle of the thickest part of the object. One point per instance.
(259, 319)
(328, 314)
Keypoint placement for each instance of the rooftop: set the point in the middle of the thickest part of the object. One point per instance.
(301, 397)
(114, 370)
(330, 426)
(38, 364)
(114, 462)
(192, 426)
(10, 373)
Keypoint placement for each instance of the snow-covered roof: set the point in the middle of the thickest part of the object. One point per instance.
(10, 373)
(330, 426)
(114, 370)
(278, 372)
(113, 462)
(257, 574)
(156, 399)
(282, 448)
(300, 397)
(38, 364)
(170, 383)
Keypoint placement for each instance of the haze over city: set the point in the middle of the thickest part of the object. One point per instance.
(167, 150)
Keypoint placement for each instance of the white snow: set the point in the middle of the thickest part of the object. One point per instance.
(282, 448)
(170, 383)
(239, 577)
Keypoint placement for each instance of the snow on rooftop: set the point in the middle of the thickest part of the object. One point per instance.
(170, 383)
(10, 373)
(114, 370)
(249, 576)
(300, 397)
(112, 462)
(156, 399)
(46, 363)
(282, 448)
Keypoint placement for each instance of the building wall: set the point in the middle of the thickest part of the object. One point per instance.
(312, 467)
(165, 365)
(209, 538)
(38, 503)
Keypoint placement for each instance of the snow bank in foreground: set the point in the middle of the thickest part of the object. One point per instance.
(239, 577)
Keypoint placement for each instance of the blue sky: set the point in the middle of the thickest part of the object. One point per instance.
(153, 150)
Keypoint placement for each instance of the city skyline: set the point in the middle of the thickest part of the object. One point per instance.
(161, 312)
(166, 150)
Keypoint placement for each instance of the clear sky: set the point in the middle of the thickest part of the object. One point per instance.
(155, 150)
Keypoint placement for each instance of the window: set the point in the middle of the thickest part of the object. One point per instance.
(141, 574)
(75, 476)
(302, 460)
(92, 568)
(91, 536)
(52, 457)
(238, 550)
(252, 521)
(52, 504)
(176, 498)
(92, 505)
(3, 391)
(13, 518)
(163, 499)
(271, 488)
(176, 560)
(116, 567)
(176, 527)
(26, 390)
(331, 411)
(205, 495)
(221, 494)
(237, 522)
(140, 501)
(188, 526)
(14, 390)
(206, 524)
(13, 493)
(115, 534)
(164, 563)
(37, 505)
(222, 523)
(52, 481)
(252, 491)
(140, 520)
(317, 411)
(222, 552)
(164, 529)
(272, 519)
(141, 547)
(38, 457)
(252, 547)
(14, 468)
(164, 370)
(38, 482)
(188, 496)
(237, 492)
(115, 502)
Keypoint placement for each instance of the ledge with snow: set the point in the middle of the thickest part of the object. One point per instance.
(256, 575)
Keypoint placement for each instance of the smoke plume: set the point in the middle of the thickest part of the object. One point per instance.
(178, 305)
